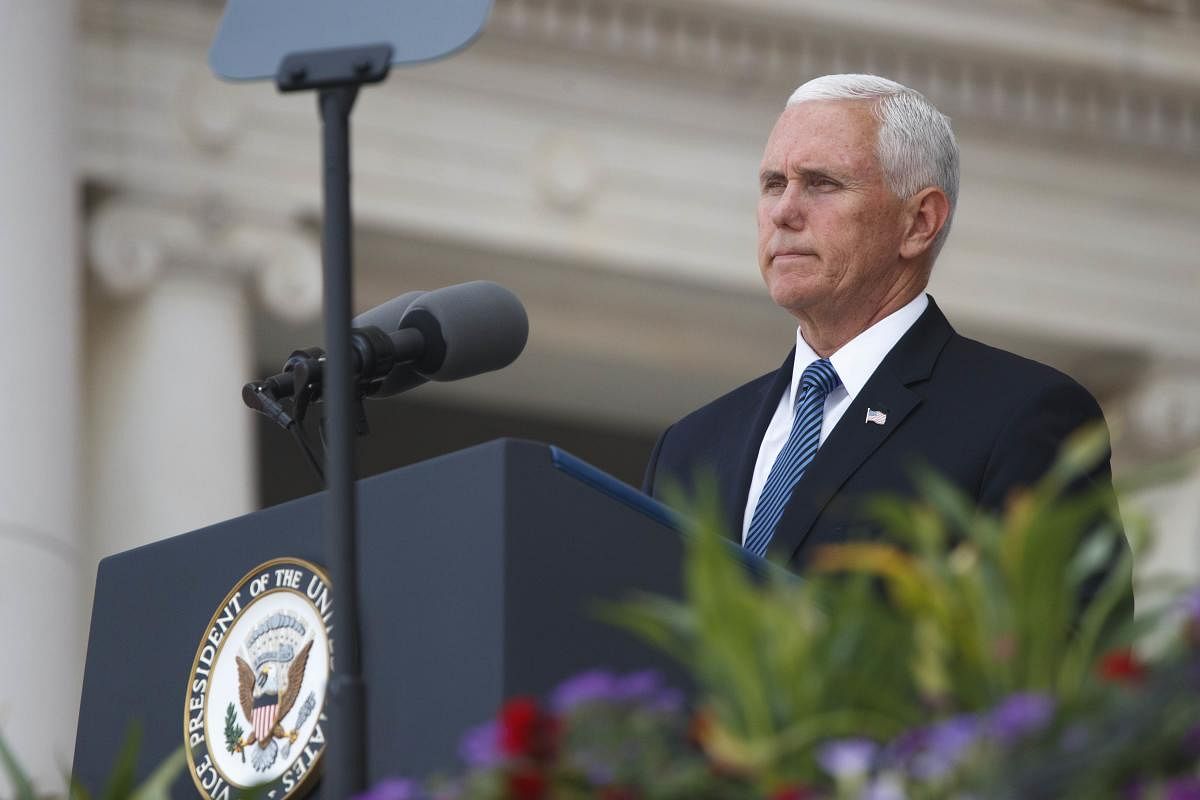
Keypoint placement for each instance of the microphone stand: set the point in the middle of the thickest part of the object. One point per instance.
(336, 75)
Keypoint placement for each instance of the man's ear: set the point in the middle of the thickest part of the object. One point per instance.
(927, 213)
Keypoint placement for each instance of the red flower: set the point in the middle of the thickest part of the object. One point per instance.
(1121, 666)
(527, 784)
(792, 793)
(526, 731)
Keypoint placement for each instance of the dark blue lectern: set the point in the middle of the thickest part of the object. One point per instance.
(480, 574)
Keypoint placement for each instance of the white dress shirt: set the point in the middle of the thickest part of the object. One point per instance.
(855, 362)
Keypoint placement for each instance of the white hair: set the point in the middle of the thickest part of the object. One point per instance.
(915, 145)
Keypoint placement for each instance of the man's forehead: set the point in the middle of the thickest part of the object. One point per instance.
(841, 132)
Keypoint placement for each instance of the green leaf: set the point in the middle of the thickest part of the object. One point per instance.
(121, 781)
(948, 500)
(158, 785)
(1082, 452)
(667, 624)
(1083, 649)
(1094, 554)
(16, 776)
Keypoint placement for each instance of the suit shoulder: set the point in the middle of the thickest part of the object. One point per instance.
(993, 364)
(1002, 374)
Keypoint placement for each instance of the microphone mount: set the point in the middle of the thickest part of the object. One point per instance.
(285, 398)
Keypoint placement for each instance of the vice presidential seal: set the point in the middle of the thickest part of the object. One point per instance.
(255, 703)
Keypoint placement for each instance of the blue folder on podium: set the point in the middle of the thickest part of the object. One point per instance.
(480, 571)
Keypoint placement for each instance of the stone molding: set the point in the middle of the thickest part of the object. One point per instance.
(131, 243)
(1120, 73)
(1116, 80)
(607, 168)
(212, 114)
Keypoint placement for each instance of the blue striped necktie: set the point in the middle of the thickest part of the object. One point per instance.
(818, 380)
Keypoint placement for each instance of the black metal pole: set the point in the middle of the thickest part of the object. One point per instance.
(345, 769)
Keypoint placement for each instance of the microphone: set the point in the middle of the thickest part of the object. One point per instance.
(443, 335)
(386, 317)
(466, 330)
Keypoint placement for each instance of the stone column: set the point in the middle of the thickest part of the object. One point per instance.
(40, 629)
(1163, 421)
(170, 444)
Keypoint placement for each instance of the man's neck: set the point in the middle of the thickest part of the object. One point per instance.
(826, 334)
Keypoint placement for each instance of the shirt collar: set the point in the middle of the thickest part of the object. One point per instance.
(858, 358)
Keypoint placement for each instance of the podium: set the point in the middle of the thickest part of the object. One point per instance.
(481, 572)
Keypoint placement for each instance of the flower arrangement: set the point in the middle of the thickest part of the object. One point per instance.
(968, 657)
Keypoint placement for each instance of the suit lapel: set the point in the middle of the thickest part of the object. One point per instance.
(850, 443)
(739, 489)
(853, 439)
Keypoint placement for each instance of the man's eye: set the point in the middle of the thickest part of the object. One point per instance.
(773, 186)
(821, 182)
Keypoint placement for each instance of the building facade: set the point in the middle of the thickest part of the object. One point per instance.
(599, 158)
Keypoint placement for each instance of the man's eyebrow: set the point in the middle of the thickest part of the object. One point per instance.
(817, 172)
(769, 175)
(800, 173)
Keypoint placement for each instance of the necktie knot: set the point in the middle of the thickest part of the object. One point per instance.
(821, 376)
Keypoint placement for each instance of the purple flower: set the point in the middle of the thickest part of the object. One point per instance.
(1190, 605)
(643, 688)
(944, 747)
(1182, 789)
(885, 787)
(480, 746)
(1019, 715)
(584, 688)
(847, 759)
(638, 685)
(393, 789)
(646, 688)
(904, 747)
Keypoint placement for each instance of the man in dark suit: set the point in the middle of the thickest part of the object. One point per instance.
(858, 184)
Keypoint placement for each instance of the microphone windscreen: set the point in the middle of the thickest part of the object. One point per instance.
(386, 316)
(469, 329)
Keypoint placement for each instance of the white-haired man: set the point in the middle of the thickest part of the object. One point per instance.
(857, 187)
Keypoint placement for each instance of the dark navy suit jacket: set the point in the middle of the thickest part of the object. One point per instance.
(988, 420)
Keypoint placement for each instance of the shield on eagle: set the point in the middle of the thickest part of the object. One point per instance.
(269, 680)
(264, 716)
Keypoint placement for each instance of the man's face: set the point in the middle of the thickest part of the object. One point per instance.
(829, 228)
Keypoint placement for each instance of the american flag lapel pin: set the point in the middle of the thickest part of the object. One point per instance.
(877, 416)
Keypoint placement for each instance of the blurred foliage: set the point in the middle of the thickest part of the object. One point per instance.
(953, 616)
(121, 784)
(965, 655)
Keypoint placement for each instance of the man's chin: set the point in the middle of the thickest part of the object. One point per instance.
(796, 300)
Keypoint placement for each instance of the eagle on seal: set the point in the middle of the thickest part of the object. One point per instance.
(266, 697)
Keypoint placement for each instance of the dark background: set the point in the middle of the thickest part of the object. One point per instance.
(405, 430)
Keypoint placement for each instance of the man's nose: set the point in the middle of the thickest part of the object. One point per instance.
(788, 211)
